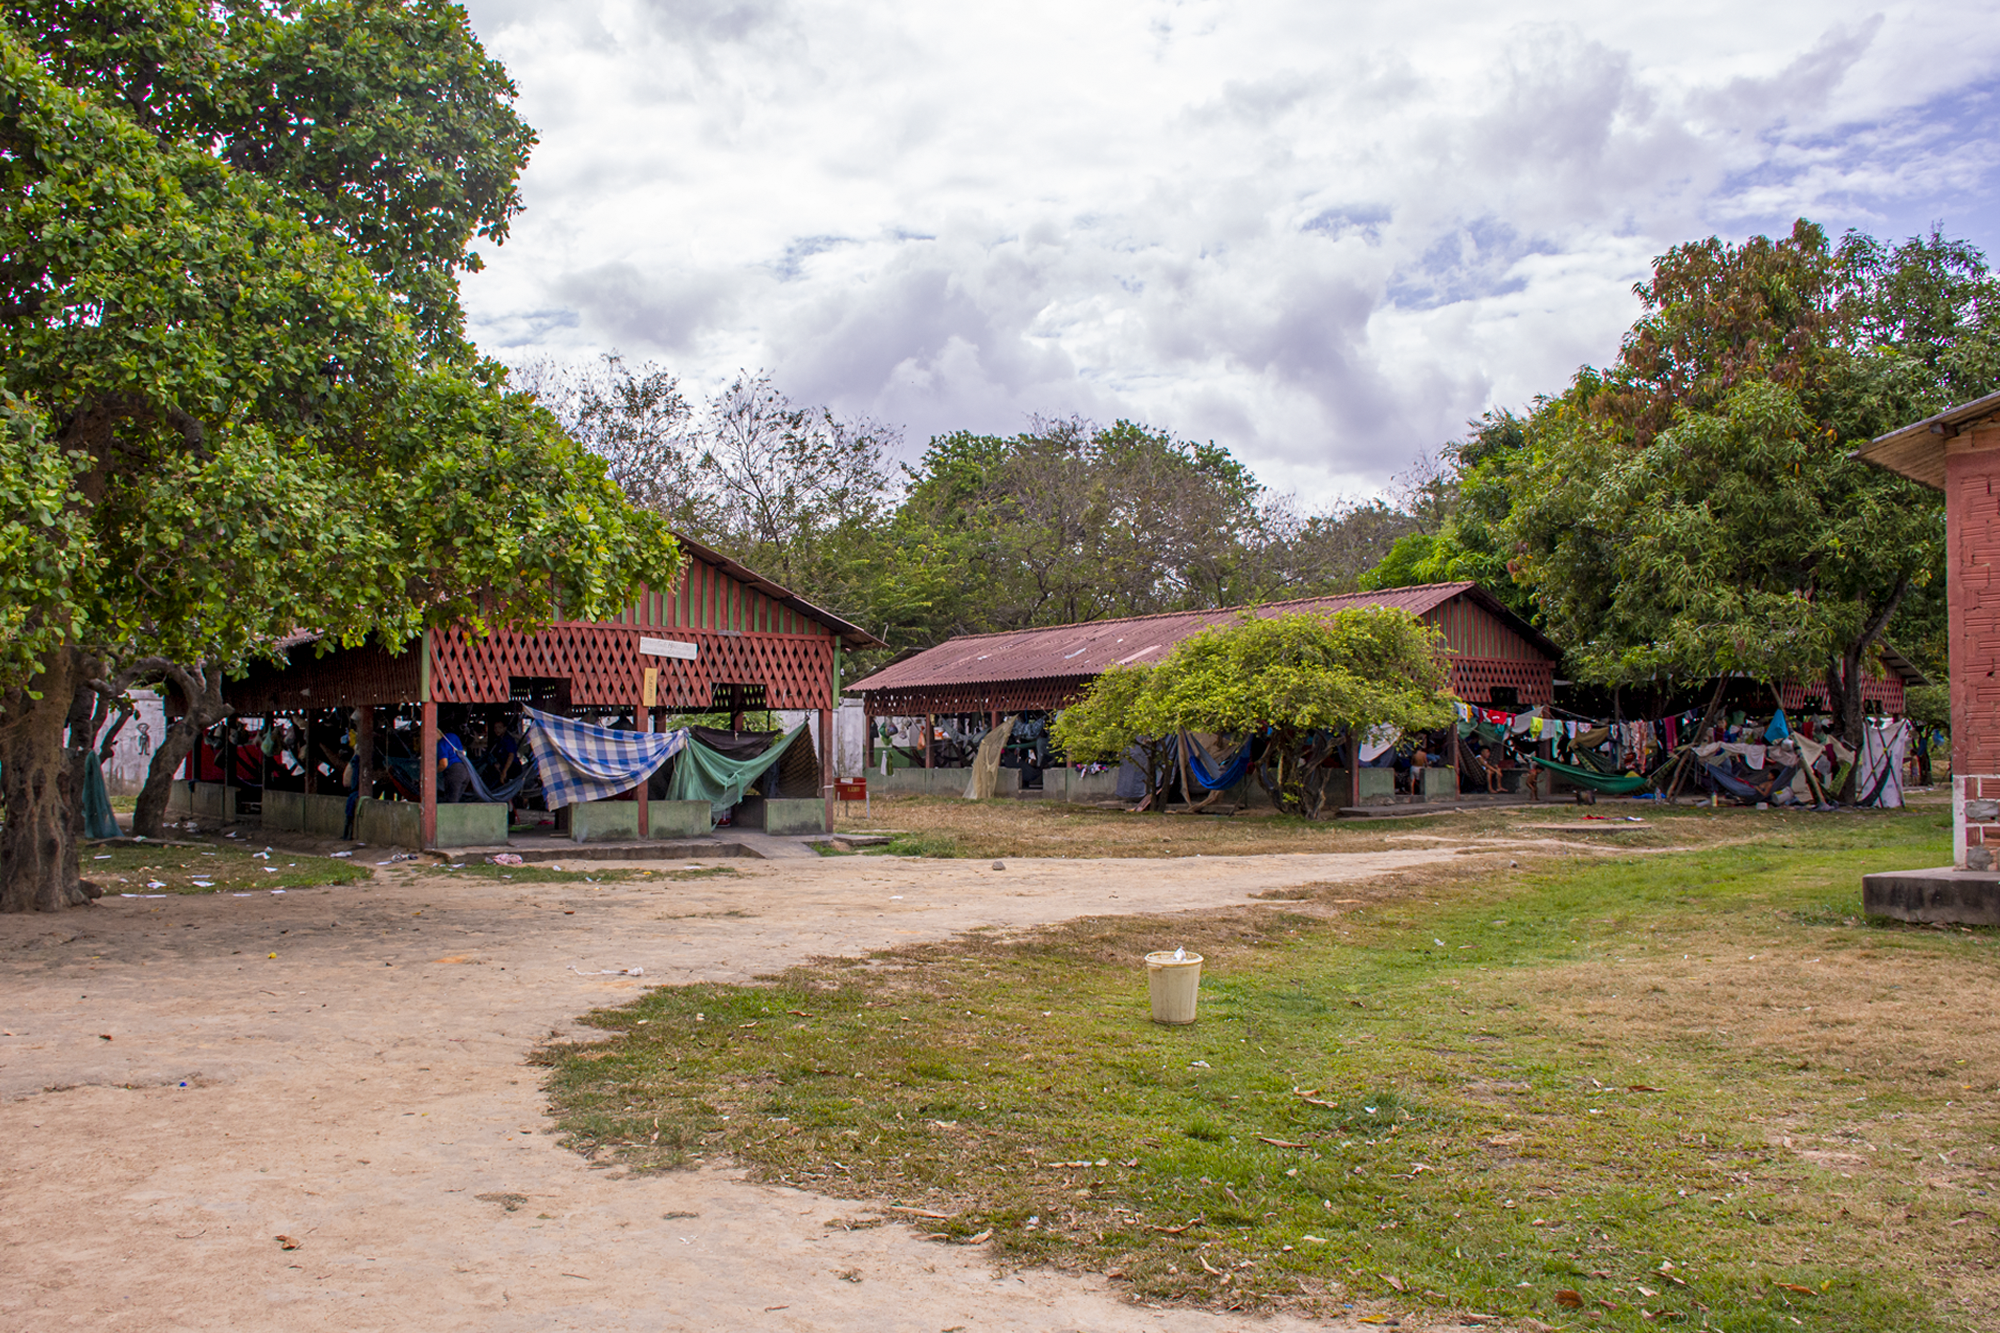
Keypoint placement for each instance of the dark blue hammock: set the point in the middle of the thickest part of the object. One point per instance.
(406, 769)
(1199, 765)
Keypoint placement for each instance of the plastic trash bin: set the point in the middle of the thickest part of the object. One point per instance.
(1175, 984)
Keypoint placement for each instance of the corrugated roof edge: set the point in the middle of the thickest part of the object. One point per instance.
(1441, 593)
(1943, 424)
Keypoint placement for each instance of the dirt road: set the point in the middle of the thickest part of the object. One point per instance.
(185, 1080)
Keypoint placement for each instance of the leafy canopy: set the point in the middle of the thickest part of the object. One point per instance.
(1290, 675)
(1696, 508)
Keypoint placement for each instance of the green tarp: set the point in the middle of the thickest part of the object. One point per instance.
(98, 821)
(702, 774)
(1620, 784)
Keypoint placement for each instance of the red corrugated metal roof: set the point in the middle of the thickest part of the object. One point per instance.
(1063, 651)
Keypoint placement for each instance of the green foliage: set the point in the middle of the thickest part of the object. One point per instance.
(1306, 680)
(238, 402)
(1352, 670)
(381, 123)
(1463, 499)
(1108, 720)
(1929, 706)
(1695, 508)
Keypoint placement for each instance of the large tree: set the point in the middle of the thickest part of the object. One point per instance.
(1695, 508)
(238, 399)
(1307, 684)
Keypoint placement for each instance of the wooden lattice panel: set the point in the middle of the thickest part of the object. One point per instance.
(604, 665)
(1474, 679)
(982, 697)
(1884, 694)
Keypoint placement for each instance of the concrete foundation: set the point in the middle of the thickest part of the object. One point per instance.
(678, 819)
(284, 811)
(388, 824)
(788, 818)
(324, 816)
(1946, 896)
(602, 821)
(202, 800)
(472, 824)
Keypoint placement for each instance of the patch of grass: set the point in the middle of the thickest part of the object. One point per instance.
(1669, 1083)
(220, 867)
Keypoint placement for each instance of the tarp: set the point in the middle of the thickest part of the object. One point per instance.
(98, 821)
(1880, 781)
(582, 762)
(985, 779)
(704, 774)
(1623, 784)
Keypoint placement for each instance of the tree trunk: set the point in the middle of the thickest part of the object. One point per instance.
(201, 693)
(38, 846)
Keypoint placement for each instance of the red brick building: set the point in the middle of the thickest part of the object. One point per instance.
(1958, 452)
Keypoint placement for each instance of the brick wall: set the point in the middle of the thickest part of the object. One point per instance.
(1972, 518)
(1975, 821)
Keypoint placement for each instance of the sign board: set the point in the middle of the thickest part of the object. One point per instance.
(668, 648)
(649, 689)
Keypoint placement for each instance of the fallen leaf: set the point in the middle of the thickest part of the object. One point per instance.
(1394, 1281)
(1573, 1300)
(1175, 1231)
(1793, 1286)
(288, 1243)
(1641, 1087)
(1279, 1143)
(981, 1238)
(1211, 1268)
(1647, 1292)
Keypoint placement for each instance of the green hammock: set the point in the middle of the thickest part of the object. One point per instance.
(1619, 784)
(702, 774)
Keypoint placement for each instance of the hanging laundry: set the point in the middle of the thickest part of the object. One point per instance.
(1778, 730)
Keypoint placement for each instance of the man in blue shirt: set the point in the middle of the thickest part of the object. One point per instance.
(454, 771)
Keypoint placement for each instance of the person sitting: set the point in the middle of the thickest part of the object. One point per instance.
(503, 753)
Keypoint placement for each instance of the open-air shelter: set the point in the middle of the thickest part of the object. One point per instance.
(721, 639)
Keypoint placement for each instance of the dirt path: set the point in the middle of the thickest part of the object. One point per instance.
(173, 1099)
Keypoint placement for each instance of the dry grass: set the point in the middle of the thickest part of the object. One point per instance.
(1690, 1088)
(947, 827)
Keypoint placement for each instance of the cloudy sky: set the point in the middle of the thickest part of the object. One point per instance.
(1320, 232)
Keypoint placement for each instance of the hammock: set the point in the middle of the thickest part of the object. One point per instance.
(1206, 775)
(1619, 784)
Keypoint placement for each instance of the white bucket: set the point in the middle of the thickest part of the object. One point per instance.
(1175, 984)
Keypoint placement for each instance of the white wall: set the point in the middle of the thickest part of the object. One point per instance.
(133, 755)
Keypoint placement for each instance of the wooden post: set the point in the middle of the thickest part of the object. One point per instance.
(930, 759)
(645, 783)
(1354, 768)
(826, 768)
(311, 757)
(427, 818)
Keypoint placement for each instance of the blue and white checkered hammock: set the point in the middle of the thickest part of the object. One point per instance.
(581, 762)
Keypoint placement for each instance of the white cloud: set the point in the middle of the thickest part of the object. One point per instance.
(1322, 234)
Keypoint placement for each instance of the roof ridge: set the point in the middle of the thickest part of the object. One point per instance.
(1201, 611)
